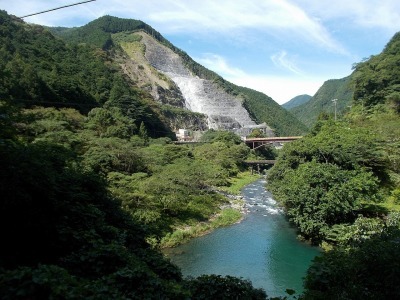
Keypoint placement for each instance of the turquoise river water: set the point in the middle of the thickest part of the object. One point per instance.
(262, 248)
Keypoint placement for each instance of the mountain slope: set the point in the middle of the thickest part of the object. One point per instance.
(194, 87)
(377, 80)
(296, 101)
(374, 81)
(39, 69)
(201, 95)
(265, 109)
(322, 101)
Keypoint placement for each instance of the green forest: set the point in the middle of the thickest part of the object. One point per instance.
(373, 79)
(340, 186)
(340, 89)
(93, 185)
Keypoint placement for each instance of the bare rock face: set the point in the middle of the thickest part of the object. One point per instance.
(224, 111)
(136, 66)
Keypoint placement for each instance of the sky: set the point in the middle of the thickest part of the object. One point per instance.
(283, 48)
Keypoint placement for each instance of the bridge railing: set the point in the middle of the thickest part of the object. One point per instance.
(272, 139)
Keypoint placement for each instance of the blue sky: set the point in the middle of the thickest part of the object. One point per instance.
(282, 48)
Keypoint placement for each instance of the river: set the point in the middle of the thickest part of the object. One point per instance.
(263, 248)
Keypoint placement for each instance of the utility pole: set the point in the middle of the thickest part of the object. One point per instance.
(362, 106)
(335, 103)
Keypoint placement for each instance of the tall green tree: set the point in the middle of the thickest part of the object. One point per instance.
(324, 178)
(367, 270)
(143, 132)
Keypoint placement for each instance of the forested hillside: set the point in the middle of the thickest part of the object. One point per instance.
(264, 109)
(261, 107)
(81, 207)
(91, 185)
(296, 101)
(377, 79)
(372, 82)
(321, 102)
(39, 69)
(99, 33)
(340, 186)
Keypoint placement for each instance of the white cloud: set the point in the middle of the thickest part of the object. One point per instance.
(289, 19)
(282, 60)
(279, 88)
(226, 17)
(219, 65)
(383, 14)
(268, 25)
(280, 18)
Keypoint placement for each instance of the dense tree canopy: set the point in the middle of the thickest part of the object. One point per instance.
(378, 79)
(369, 269)
(340, 186)
(340, 89)
(60, 225)
(84, 196)
(91, 184)
(322, 180)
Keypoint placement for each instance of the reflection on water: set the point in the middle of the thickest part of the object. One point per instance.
(262, 248)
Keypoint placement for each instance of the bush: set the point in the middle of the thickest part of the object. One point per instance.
(228, 287)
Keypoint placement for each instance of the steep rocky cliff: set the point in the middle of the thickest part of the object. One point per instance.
(175, 81)
(223, 110)
(135, 65)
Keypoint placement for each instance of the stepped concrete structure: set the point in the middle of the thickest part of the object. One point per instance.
(224, 111)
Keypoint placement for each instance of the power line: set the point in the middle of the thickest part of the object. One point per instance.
(42, 12)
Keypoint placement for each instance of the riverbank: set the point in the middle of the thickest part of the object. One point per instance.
(230, 213)
(239, 182)
(262, 248)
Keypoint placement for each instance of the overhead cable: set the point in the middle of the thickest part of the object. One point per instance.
(42, 12)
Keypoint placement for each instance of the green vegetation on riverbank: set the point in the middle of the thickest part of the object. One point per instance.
(67, 176)
(340, 187)
(325, 179)
(227, 216)
(74, 175)
(349, 167)
(89, 174)
(230, 213)
(237, 183)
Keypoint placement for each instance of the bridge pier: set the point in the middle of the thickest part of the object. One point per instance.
(258, 169)
(257, 164)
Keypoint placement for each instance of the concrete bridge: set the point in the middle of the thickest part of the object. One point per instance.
(255, 143)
